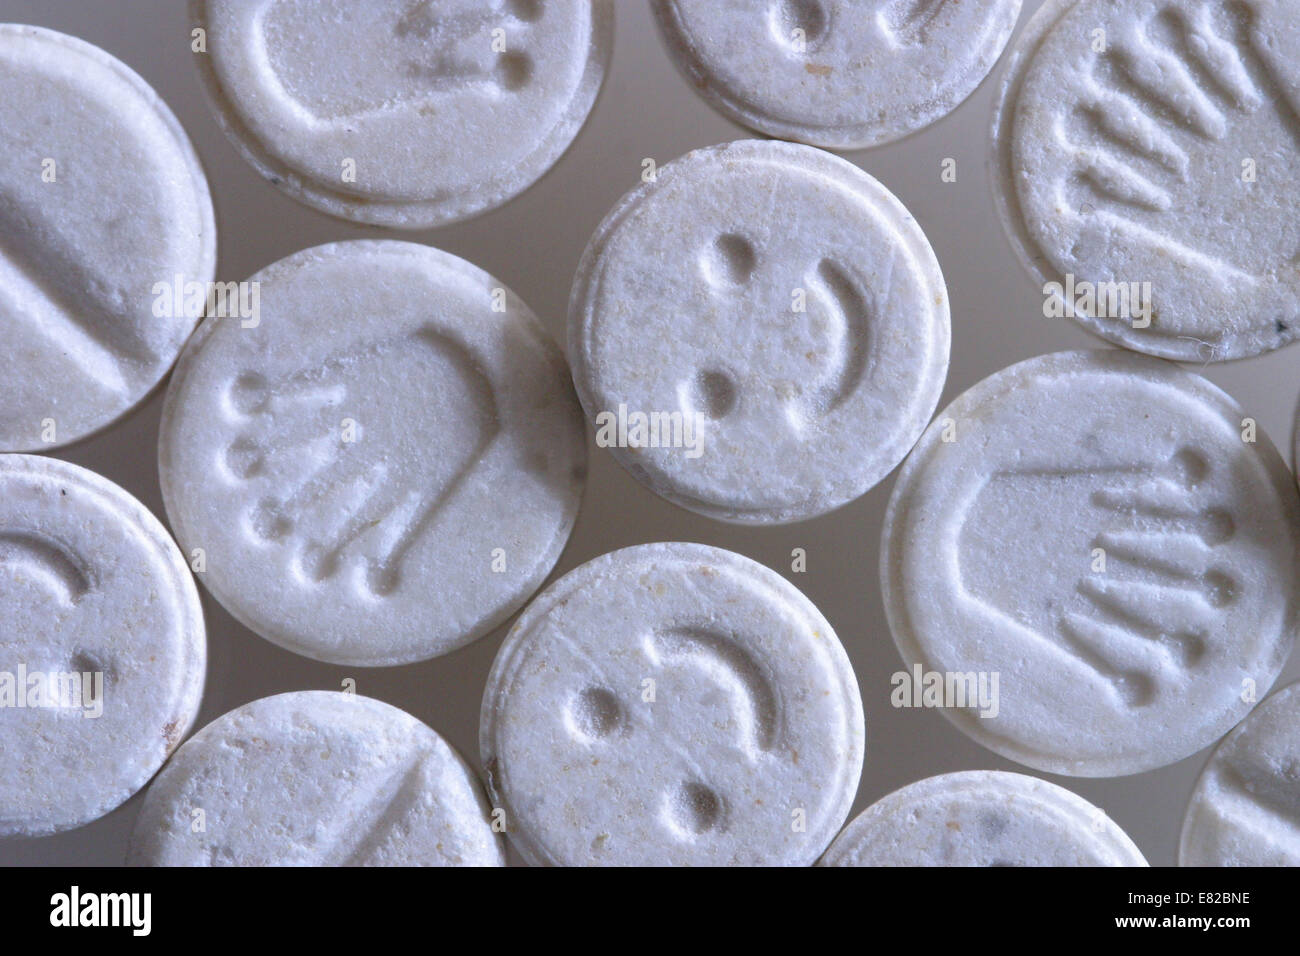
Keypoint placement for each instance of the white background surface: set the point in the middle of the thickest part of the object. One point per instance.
(533, 245)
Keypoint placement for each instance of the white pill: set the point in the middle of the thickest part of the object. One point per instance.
(316, 778)
(105, 225)
(982, 818)
(385, 466)
(843, 74)
(102, 650)
(400, 114)
(1147, 157)
(1245, 810)
(1111, 537)
(761, 333)
(672, 704)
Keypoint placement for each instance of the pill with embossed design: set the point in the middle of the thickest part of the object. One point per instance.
(1105, 532)
(384, 464)
(107, 239)
(842, 74)
(316, 778)
(403, 114)
(760, 333)
(1145, 157)
(102, 648)
(672, 704)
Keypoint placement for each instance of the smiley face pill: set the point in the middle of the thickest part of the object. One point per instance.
(382, 469)
(316, 778)
(982, 818)
(102, 647)
(106, 228)
(760, 334)
(672, 704)
(842, 74)
(399, 114)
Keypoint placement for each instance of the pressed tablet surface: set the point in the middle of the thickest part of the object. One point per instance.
(1154, 141)
(779, 302)
(316, 778)
(403, 114)
(982, 818)
(101, 199)
(1245, 810)
(102, 650)
(837, 73)
(1092, 527)
(672, 704)
(385, 466)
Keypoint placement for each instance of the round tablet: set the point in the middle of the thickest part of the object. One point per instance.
(102, 650)
(407, 115)
(1147, 157)
(836, 73)
(761, 333)
(316, 778)
(1245, 810)
(672, 704)
(105, 226)
(385, 466)
(982, 818)
(1113, 537)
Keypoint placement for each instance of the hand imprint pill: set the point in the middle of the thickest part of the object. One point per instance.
(1245, 810)
(982, 818)
(316, 778)
(672, 704)
(105, 225)
(386, 466)
(843, 74)
(1147, 151)
(1099, 529)
(401, 114)
(761, 333)
(102, 650)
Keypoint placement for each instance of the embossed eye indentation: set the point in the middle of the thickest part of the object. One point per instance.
(244, 458)
(247, 394)
(529, 11)
(593, 714)
(89, 662)
(713, 393)
(729, 260)
(799, 25)
(693, 809)
(514, 70)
